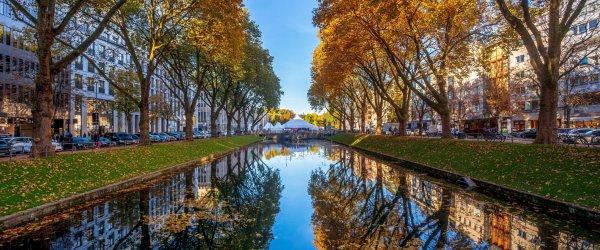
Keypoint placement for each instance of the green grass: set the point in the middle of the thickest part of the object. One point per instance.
(563, 173)
(30, 183)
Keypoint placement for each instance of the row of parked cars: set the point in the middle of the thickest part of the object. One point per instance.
(22, 145)
(567, 135)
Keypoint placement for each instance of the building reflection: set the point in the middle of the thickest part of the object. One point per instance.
(229, 202)
(361, 203)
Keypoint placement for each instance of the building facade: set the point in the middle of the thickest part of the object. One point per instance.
(84, 100)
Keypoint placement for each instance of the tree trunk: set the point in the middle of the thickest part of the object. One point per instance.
(401, 122)
(546, 133)
(42, 111)
(246, 125)
(446, 125)
(378, 122)
(567, 116)
(402, 127)
(420, 124)
(144, 121)
(213, 123)
(352, 121)
(229, 121)
(189, 124)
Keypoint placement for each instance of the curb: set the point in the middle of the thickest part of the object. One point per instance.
(32, 214)
(555, 208)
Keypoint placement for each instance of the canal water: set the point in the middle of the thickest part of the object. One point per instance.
(298, 196)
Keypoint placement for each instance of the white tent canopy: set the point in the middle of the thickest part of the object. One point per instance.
(268, 126)
(300, 124)
(277, 128)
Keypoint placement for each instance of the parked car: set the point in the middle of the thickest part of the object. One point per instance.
(531, 133)
(592, 136)
(168, 137)
(563, 131)
(105, 142)
(120, 138)
(579, 131)
(79, 143)
(5, 148)
(572, 137)
(175, 135)
(57, 146)
(154, 138)
(20, 144)
(136, 138)
(161, 138)
(200, 134)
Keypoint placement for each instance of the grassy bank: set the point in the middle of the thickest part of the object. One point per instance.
(563, 173)
(30, 183)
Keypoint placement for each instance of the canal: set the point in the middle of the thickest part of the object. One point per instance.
(299, 196)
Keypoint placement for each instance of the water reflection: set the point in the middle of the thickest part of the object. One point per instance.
(229, 203)
(353, 202)
(360, 203)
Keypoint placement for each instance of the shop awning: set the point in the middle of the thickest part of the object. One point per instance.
(585, 118)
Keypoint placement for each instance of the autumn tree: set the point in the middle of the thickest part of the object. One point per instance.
(123, 101)
(259, 89)
(553, 51)
(148, 28)
(51, 21)
(281, 115)
(214, 37)
(421, 41)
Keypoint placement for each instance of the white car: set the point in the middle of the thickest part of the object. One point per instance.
(20, 144)
(57, 146)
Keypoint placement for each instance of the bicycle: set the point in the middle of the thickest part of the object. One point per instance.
(494, 136)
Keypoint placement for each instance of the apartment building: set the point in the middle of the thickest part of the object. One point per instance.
(83, 98)
(505, 95)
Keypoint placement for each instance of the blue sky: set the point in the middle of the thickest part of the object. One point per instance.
(288, 34)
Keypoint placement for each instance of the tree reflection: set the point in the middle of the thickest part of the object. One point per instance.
(360, 203)
(236, 209)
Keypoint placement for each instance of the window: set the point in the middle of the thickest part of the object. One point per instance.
(7, 38)
(593, 24)
(91, 50)
(451, 81)
(14, 64)
(101, 87)
(91, 68)
(91, 84)
(522, 234)
(20, 67)
(521, 58)
(79, 63)
(582, 28)
(1, 33)
(78, 81)
(102, 51)
(7, 64)
(574, 30)
(111, 55)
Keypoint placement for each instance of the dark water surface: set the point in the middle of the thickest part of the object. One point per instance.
(299, 196)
